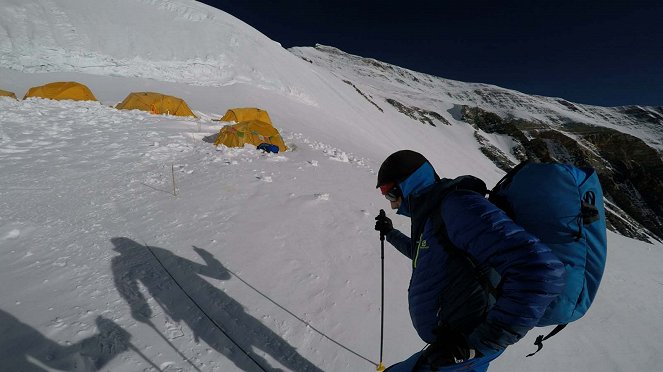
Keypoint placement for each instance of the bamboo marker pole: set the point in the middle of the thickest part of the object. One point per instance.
(172, 170)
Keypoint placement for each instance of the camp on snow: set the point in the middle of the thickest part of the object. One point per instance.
(61, 91)
(4, 93)
(155, 103)
(254, 132)
(246, 114)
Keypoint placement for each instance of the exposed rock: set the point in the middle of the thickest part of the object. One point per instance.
(419, 114)
(568, 105)
(630, 171)
(363, 95)
(493, 123)
(493, 153)
(648, 115)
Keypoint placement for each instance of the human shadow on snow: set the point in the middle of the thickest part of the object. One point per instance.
(138, 264)
(23, 348)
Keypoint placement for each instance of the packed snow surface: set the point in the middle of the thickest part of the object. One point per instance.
(278, 249)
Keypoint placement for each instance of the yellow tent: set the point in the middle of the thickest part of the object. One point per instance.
(62, 90)
(246, 114)
(4, 93)
(254, 132)
(155, 103)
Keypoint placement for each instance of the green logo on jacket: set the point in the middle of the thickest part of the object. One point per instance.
(422, 244)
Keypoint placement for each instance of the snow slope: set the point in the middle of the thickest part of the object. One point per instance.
(118, 37)
(383, 80)
(279, 250)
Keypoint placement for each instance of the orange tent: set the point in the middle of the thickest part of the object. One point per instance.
(253, 132)
(61, 91)
(155, 103)
(246, 114)
(4, 93)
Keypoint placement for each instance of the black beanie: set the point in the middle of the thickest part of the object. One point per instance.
(399, 166)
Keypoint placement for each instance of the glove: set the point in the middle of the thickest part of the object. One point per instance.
(383, 224)
(449, 349)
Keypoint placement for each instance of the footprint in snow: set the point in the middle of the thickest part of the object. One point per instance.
(13, 234)
(322, 196)
(265, 178)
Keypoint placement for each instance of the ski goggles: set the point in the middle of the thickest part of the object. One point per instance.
(393, 194)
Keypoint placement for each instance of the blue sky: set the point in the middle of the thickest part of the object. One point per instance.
(607, 53)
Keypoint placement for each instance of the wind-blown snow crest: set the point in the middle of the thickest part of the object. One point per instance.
(176, 40)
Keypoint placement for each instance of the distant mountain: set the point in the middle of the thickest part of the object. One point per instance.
(623, 143)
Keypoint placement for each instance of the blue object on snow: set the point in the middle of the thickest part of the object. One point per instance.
(268, 147)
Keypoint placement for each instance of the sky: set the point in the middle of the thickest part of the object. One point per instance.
(606, 53)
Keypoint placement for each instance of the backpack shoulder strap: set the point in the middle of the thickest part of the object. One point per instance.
(481, 272)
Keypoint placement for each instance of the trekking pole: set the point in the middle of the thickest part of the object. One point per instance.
(380, 365)
(137, 351)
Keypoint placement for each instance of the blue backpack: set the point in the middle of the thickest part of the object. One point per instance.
(563, 206)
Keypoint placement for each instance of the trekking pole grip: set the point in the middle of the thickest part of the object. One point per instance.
(382, 215)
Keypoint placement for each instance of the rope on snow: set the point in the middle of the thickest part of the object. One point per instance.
(266, 297)
(216, 324)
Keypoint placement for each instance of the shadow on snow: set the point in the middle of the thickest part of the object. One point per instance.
(23, 348)
(137, 264)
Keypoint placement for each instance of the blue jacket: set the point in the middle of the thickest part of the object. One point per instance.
(444, 288)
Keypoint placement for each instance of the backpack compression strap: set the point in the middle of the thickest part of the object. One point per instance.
(541, 338)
